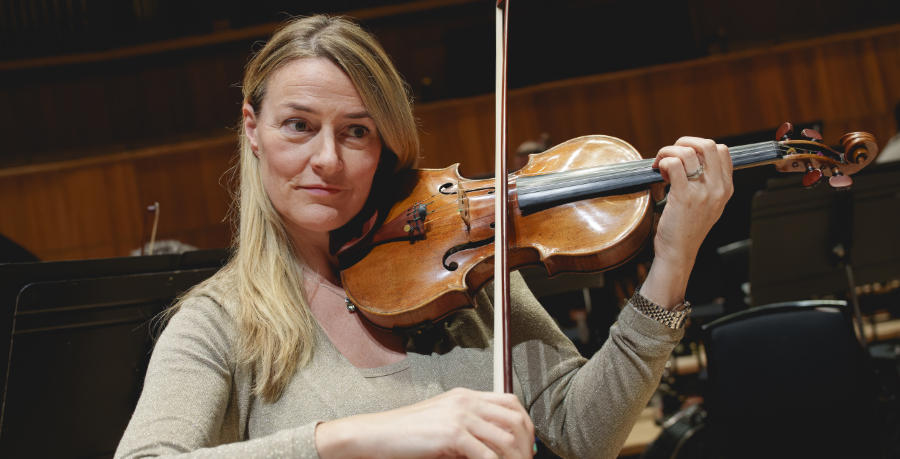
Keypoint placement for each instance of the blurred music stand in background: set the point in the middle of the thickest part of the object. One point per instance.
(75, 343)
(803, 238)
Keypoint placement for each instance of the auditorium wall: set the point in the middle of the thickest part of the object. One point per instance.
(93, 207)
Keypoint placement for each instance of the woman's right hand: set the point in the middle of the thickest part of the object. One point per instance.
(459, 423)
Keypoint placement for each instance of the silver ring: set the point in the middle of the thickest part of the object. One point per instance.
(696, 174)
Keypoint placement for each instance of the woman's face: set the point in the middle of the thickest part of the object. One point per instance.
(317, 145)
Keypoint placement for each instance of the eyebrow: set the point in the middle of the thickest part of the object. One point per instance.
(304, 108)
(358, 115)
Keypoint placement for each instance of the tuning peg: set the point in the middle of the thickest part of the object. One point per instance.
(810, 134)
(812, 177)
(783, 133)
(839, 181)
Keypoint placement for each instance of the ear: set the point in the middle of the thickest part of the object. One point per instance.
(250, 124)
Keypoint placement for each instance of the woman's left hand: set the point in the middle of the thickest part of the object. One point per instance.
(694, 204)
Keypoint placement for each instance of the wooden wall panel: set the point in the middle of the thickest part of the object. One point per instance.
(91, 109)
(186, 185)
(122, 194)
(92, 207)
(456, 133)
(850, 82)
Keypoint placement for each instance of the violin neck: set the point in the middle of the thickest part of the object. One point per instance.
(575, 185)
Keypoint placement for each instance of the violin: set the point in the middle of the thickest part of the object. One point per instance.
(583, 206)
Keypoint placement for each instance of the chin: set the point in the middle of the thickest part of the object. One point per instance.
(319, 226)
(317, 218)
(306, 222)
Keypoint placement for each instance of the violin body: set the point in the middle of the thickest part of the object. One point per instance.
(435, 246)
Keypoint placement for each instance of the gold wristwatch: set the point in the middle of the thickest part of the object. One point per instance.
(673, 319)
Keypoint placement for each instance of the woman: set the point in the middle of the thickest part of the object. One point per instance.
(264, 360)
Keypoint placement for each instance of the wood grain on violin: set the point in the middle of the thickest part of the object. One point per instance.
(454, 252)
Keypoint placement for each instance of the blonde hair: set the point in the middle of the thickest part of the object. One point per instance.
(275, 326)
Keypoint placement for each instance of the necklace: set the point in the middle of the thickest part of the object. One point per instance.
(350, 306)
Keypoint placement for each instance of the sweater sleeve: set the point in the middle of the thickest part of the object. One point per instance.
(191, 407)
(586, 408)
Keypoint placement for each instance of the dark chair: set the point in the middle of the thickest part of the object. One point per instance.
(790, 380)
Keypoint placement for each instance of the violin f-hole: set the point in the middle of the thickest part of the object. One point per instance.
(453, 266)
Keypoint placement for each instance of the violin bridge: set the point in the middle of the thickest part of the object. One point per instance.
(463, 201)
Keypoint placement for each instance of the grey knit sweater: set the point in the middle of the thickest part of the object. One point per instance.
(197, 402)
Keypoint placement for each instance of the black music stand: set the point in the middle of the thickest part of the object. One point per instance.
(75, 342)
(796, 232)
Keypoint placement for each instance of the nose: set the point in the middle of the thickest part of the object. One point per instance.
(326, 156)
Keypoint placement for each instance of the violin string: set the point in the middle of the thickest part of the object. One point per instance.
(451, 212)
(417, 203)
(435, 228)
(454, 201)
(443, 206)
(618, 170)
(448, 213)
(457, 199)
(625, 168)
(738, 152)
(629, 168)
(640, 167)
(437, 219)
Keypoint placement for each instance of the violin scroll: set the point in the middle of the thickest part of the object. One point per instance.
(818, 161)
(859, 147)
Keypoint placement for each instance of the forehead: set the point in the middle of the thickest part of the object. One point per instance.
(311, 80)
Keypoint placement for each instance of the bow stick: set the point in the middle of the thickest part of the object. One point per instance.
(502, 352)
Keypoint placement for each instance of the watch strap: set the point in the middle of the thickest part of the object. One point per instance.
(672, 319)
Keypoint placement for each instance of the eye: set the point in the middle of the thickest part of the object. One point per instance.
(297, 125)
(358, 131)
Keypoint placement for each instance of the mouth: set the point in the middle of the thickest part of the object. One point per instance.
(320, 190)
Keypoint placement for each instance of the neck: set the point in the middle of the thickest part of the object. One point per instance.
(574, 185)
(320, 265)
